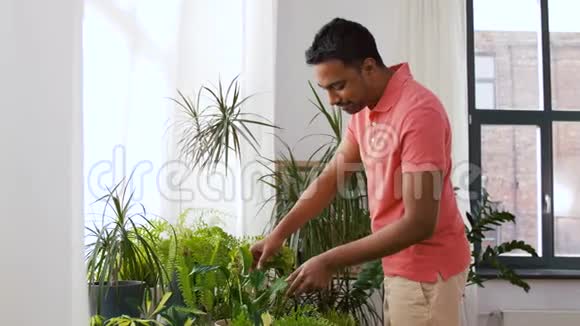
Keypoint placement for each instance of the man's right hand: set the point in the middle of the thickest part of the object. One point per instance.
(264, 249)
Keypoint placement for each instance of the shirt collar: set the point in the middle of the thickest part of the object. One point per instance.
(401, 75)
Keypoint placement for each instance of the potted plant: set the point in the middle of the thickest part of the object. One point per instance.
(121, 259)
(161, 314)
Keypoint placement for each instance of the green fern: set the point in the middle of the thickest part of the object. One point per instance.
(340, 319)
(303, 321)
(306, 315)
(184, 283)
(242, 319)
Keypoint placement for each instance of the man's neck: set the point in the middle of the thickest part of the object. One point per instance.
(380, 85)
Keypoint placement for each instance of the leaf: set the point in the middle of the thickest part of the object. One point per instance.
(267, 319)
(203, 269)
(257, 279)
(97, 320)
(190, 310)
(516, 245)
(162, 303)
(370, 277)
(180, 315)
(277, 288)
(246, 257)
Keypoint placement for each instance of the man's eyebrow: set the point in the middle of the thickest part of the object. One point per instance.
(331, 84)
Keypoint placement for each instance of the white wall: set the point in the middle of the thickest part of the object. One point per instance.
(298, 22)
(544, 295)
(40, 165)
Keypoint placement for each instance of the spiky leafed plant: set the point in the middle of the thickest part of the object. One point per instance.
(486, 217)
(344, 220)
(160, 314)
(123, 248)
(211, 133)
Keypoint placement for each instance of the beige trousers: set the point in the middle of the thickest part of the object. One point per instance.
(410, 303)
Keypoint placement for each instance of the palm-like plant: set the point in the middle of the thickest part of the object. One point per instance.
(210, 133)
(347, 217)
(123, 248)
(345, 220)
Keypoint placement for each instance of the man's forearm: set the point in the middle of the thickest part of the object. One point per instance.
(316, 197)
(390, 240)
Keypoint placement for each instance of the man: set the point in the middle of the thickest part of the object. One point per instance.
(400, 133)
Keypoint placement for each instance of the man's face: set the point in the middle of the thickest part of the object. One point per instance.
(347, 86)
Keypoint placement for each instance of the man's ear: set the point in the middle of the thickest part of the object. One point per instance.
(368, 65)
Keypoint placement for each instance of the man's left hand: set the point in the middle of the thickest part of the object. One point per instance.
(314, 274)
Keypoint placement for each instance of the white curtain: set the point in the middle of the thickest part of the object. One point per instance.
(431, 36)
(258, 76)
(137, 54)
(432, 39)
(209, 50)
(128, 67)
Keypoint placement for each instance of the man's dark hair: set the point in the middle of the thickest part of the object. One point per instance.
(344, 40)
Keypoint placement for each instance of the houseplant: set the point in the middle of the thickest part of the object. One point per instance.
(210, 269)
(198, 245)
(487, 216)
(257, 298)
(156, 315)
(209, 134)
(252, 294)
(121, 260)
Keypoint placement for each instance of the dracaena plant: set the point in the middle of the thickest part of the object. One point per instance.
(122, 247)
(211, 133)
(161, 314)
(346, 219)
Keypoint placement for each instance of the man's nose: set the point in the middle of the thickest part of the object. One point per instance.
(333, 98)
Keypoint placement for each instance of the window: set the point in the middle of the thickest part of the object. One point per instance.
(485, 81)
(524, 131)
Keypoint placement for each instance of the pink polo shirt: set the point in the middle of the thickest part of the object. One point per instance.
(408, 131)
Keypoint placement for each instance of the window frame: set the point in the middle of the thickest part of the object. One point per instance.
(548, 264)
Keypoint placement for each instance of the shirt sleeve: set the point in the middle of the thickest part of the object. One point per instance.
(424, 141)
(350, 130)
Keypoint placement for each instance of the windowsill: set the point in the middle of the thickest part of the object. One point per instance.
(539, 274)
